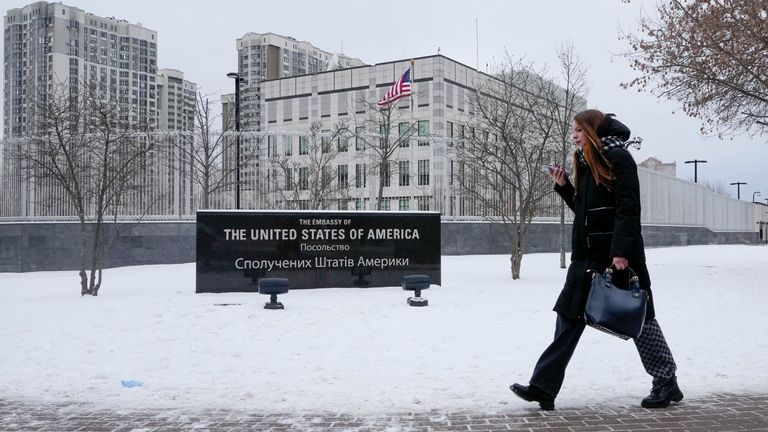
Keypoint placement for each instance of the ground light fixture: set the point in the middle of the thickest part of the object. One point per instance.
(273, 287)
(416, 283)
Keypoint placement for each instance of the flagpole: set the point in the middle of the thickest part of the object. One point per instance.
(413, 71)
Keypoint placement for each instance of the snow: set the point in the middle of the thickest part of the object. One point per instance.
(365, 351)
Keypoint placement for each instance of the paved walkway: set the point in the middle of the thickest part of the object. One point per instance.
(720, 412)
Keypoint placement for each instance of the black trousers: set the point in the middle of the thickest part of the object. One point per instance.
(549, 372)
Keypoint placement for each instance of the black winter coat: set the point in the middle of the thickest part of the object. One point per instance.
(606, 224)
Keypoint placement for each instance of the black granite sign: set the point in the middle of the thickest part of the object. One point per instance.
(314, 249)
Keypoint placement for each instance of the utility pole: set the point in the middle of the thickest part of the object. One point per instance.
(738, 188)
(695, 163)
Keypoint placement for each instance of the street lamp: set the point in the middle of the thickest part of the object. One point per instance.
(753, 195)
(238, 81)
(738, 188)
(695, 163)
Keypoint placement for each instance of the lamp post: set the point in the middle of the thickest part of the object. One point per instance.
(738, 188)
(238, 81)
(755, 193)
(695, 163)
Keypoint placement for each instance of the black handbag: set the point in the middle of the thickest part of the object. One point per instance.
(616, 311)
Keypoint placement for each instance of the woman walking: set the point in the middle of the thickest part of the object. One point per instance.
(605, 199)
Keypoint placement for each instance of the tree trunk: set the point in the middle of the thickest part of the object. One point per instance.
(381, 184)
(517, 254)
(83, 274)
(96, 260)
(205, 193)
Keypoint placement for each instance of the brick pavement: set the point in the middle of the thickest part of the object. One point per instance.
(719, 412)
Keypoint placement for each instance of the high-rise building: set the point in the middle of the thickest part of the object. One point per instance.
(51, 43)
(268, 56)
(177, 99)
(53, 46)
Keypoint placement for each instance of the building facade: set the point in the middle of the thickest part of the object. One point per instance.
(422, 169)
(653, 164)
(269, 56)
(52, 46)
(177, 100)
(50, 43)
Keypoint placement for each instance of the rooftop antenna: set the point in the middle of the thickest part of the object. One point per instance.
(477, 44)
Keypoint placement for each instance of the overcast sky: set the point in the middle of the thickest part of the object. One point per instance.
(198, 38)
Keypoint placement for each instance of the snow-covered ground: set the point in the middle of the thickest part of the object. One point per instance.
(365, 350)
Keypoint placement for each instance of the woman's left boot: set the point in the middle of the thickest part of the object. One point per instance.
(662, 394)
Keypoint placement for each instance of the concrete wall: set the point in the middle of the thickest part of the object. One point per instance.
(467, 238)
(668, 200)
(55, 246)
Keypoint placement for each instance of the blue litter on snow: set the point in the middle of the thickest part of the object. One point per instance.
(131, 383)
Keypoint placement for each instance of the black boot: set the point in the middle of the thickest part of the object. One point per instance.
(532, 393)
(662, 394)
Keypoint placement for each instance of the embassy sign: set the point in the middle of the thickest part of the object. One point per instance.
(314, 249)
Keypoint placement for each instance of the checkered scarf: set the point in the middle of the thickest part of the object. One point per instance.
(609, 142)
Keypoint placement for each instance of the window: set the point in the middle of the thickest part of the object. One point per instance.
(361, 203)
(383, 136)
(289, 179)
(303, 145)
(271, 146)
(424, 172)
(405, 174)
(342, 176)
(287, 145)
(327, 176)
(423, 203)
(325, 105)
(385, 204)
(359, 142)
(423, 132)
(325, 140)
(404, 203)
(360, 176)
(422, 94)
(303, 178)
(343, 140)
(403, 129)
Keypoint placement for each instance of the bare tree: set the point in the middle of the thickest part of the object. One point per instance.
(503, 148)
(84, 153)
(312, 177)
(384, 131)
(711, 56)
(717, 186)
(208, 154)
(564, 102)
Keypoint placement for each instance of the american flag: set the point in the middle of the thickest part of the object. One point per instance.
(400, 89)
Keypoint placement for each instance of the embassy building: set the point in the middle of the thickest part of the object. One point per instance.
(421, 169)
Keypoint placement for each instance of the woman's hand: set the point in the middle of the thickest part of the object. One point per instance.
(558, 175)
(620, 263)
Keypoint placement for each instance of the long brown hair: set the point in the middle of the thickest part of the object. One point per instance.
(588, 121)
